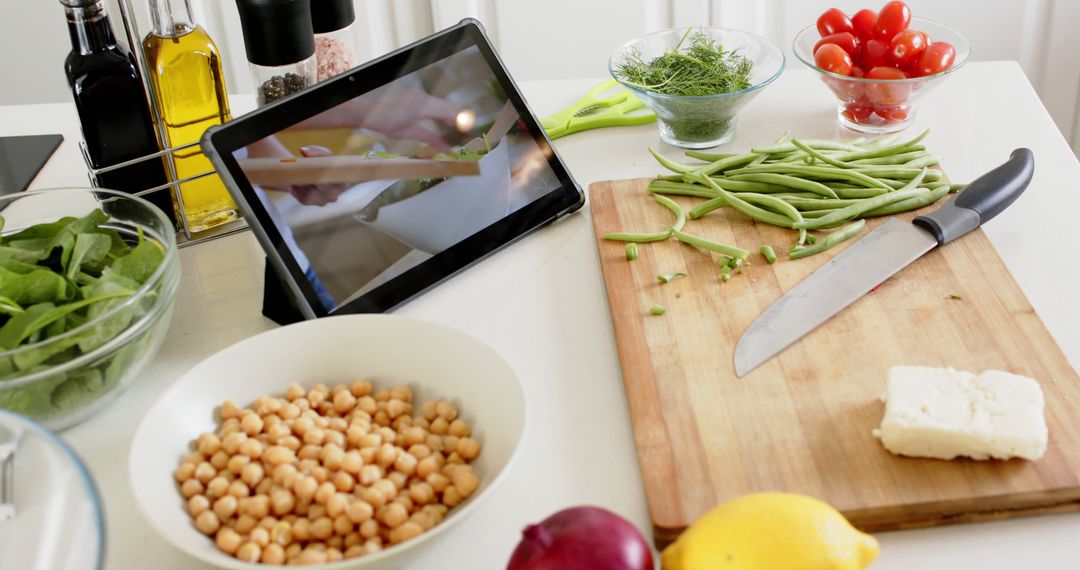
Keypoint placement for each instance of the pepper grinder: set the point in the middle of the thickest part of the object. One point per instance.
(280, 46)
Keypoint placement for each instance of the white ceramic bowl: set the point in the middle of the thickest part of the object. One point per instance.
(436, 361)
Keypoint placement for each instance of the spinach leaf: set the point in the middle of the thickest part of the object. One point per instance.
(11, 334)
(90, 252)
(38, 286)
(138, 265)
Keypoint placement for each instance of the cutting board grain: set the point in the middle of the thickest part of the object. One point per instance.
(802, 421)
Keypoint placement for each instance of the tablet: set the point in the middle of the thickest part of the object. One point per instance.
(369, 188)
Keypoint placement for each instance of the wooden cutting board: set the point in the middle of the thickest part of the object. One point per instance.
(802, 421)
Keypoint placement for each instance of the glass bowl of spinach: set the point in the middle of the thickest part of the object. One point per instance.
(696, 79)
(87, 279)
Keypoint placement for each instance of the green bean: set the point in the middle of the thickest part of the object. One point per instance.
(725, 273)
(816, 144)
(875, 152)
(928, 160)
(820, 156)
(811, 240)
(747, 186)
(680, 215)
(726, 164)
(707, 156)
(788, 181)
(821, 172)
(812, 204)
(680, 189)
(896, 159)
(812, 214)
(735, 263)
(728, 250)
(770, 217)
(858, 193)
(631, 251)
(670, 177)
(898, 172)
(854, 210)
(669, 277)
(657, 310)
(956, 187)
(768, 253)
(843, 234)
(639, 237)
(914, 203)
(750, 210)
(706, 207)
(670, 164)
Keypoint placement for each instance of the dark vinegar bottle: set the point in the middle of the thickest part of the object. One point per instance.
(113, 111)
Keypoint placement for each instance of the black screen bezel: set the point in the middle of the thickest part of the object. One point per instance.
(220, 142)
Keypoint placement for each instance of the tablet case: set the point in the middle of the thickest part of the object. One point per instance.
(277, 304)
(22, 157)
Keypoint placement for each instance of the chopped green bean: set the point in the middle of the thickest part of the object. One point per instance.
(639, 237)
(956, 187)
(680, 215)
(735, 263)
(768, 253)
(728, 250)
(669, 277)
(706, 207)
(843, 234)
(788, 181)
(657, 310)
(725, 272)
(811, 239)
(631, 251)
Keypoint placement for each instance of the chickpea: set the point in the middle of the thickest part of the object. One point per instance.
(337, 504)
(196, 505)
(311, 555)
(301, 530)
(324, 492)
(260, 536)
(225, 507)
(421, 422)
(231, 443)
(396, 408)
(438, 482)
(426, 466)
(468, 448)
(236, 464)
(405, 532)
(252, 474)
(229, 410)
(369, 474)
(305, 488)
(343, 481)
(217, 487)
(368, 405)
(413, 436)
(422, 493)
(344, 401)
(278, 455)
(289, 411)
(219, 460)
(459, 428)
(361, 388)
(227, 539)
(252, 424)
(404, 500)
(387, 455)
(204, 472)
(435, 443)
(301, 425)
(294, 392)
(339, 424)
(310, 451)
(352, 539)
(184, 472)
(322, 528)
(373, 497)
(451, 497)
(238, 489)
(282, 501)
(207, 523)
(465, 480)
(190, 488)
(425, 520)
(273, 554)
(258, 506)
(281, 533)
(335, 438)
(281, 473)
(370, 440)
(450, 442)
(446, 411)
(249, 552)
(398, 478)
(194, 457)
(252, 448)
(316, 511)
(245, 524)
(332, 457)
(316, 396)
(406, 463)
(267, 522)
(369, 528)
(314, 437)
(352, 462)
(454, 458)
(419, 451)
(292, 552)
(386, 487)
(367, 454)
(393, 515)
(353, 551)
(439, 426)
(303, 404)
(291, 442)
(358, 511)
(320, 473)
(342, 526)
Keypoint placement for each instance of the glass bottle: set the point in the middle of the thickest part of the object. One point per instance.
(113, 112)
(280, 46)
(187, 80)
(335, 37)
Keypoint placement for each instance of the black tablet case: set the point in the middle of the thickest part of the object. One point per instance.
(21, 158)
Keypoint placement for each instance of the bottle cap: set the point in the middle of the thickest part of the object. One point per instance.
(276, 32)
(331, 15)
(79, 3)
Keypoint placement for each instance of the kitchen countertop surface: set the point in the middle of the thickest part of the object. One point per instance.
(541, 304)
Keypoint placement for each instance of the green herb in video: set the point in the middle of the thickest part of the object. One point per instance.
(697, 66)
(55, 278)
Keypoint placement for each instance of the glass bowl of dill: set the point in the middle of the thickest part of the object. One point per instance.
(696, 79)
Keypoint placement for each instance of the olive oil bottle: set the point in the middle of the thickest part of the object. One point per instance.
(186, 75)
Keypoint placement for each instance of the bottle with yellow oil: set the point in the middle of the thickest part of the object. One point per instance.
(185, 72)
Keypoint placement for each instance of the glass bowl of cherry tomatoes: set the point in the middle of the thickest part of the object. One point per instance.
(879, 64)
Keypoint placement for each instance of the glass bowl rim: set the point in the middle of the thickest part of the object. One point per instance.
(171, 255)
(961, 57)
(653, 94)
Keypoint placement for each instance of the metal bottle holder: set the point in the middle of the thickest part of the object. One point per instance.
(185, 236)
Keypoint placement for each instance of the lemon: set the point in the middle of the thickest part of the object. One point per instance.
(771, 531)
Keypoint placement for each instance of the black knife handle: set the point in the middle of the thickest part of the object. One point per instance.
(983, 199)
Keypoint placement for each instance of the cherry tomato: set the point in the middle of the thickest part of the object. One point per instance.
(907, 47)
(833, 21)
(833, 58)
(938, 57)
(843, 39)
(892, 19)
(885, 93)
(858, 72)
(857, 112)
(875, 53)
(863, 22)
(892, 114)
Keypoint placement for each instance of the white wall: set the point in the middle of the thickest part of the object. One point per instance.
(552, 39)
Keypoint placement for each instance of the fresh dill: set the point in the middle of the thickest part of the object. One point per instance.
(702, 68)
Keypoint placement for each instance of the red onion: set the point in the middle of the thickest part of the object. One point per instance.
(582, 538)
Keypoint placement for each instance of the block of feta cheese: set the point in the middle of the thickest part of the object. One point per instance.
(945, 413)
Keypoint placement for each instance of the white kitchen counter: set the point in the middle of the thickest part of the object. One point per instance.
(541, 304)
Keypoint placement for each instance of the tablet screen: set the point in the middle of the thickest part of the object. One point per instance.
(371, 188)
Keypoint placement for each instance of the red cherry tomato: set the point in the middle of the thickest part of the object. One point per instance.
(892, 114)
(863, 22)
(938, 57)
(833, 58)
(833, 21)
(857, 112)
(875, 53)
(907, 47)
(858, 72)
(844, 39)
(892, 19)
(885, 93)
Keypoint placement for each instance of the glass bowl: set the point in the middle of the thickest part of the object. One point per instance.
(879, 106)
(708, 120)
(67, 376)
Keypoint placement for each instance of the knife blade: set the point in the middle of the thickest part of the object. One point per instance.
(879, 255)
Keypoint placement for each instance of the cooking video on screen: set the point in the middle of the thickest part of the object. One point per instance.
(373, 187)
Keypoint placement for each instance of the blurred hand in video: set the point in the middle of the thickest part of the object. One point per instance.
(402, 113)
(316, 194)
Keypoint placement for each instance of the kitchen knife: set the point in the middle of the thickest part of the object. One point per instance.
(873, 259)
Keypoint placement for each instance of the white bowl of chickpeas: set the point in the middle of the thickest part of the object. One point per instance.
(348, 442)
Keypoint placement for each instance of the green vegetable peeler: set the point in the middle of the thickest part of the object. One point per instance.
(593, 112)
